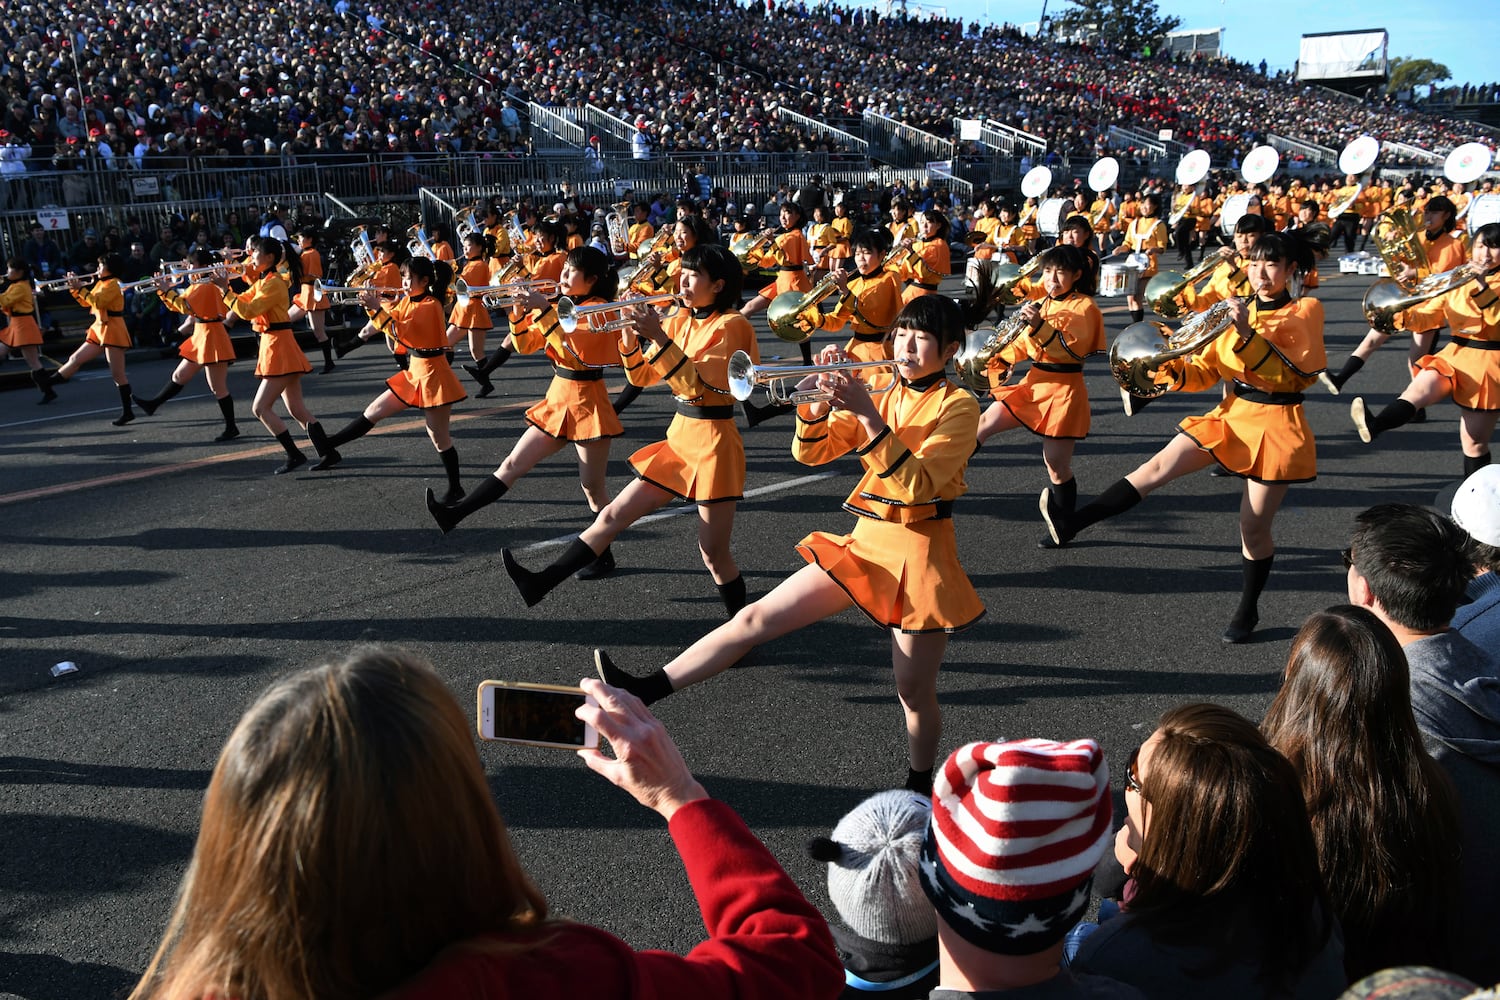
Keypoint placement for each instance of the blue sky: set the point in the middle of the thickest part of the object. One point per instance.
(1270, 29)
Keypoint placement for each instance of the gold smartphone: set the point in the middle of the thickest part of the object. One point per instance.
(538, 715)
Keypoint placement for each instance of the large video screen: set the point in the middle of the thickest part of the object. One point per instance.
(1342, 55)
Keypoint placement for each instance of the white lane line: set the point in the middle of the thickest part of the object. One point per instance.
(685, 507)
(90, 413)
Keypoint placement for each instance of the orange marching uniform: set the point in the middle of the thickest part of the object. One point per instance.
(1052, 401)
(929, 262)
(266, 304)
(312, 270)
(702, 458)
(417, 324)
(107, 302)
(900, 565)
(18, 302)
(577, 405)
(209, 343)
(1470, 362)
(788, 254)
(1259, 431)
(869, 309)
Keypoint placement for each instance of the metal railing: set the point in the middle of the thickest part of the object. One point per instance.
(901, 144)
(1410, 152)
(1125, 137)
(550, 130)
(853, 143)
(1021, 140)
(1311, 152)
(615, 133)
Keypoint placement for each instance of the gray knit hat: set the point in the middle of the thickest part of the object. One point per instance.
(872, 860)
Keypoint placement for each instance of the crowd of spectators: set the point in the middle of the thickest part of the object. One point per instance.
(159, 84)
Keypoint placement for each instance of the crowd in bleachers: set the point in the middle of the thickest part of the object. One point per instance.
(132, 84)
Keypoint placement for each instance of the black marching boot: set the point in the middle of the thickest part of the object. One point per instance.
(345, 347)
(1398, 413)
(1119, 497)
(1474, 464)
(231, 429)
(481, 371)
(1246, 616)
(627, 395)
(1066, 495)
(41, 381)
(1349, 370)
(536, 586)
(126, 413)
(450, 466)
(294, 457)
(650, 689)
(919, 781)
(150, 406)
(327, 346)
(757, 415)
(447, 516)
(356, 428)
(733, 594)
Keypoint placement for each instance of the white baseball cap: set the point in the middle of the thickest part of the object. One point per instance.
(1476, 505)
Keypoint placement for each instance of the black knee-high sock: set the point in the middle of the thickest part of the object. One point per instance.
(450, 466)
(356, 428)
(652, 688)
(40, 380)
(327, 346)
(627, 395)
(1254, 574)
(919, 781)
(167, 392)
(1117, 498)
(1348, 371)
(285, 440)
(498, 357)
(1136, 315)
(1067, 494)
(806, 348)
(1473, 465)
(733, 594)
(534, 586)
(1393, 416)
(226, 407)
(126, 413)
(447, 515)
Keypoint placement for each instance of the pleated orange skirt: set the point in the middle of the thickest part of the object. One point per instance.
(576, 411)
(22, 332)
(208, 345)
(1266, 443)
(280, 355)
(427, 382)
(1474, 374)
(701, 460)
(114, 334)
(1050, 404)
(902, 576)
(787, 281)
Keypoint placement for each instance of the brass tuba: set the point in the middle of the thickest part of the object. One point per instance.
(1164, 287)
(786, 308)
(1008, 276)
(980, 345)
(1385, 299)
(1398, 240)
(1142, 348)
(746, 248)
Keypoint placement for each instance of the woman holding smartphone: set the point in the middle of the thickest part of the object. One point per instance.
(900, 564)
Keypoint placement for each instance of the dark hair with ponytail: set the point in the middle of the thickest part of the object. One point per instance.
(593, 264)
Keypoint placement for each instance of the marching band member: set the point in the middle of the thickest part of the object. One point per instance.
(788, 254)
(1148, 235)
(427, 383)
(280, 364)
(1184, 201)
(388, 278)
(107, 334)
(900, 564)
(1468, 369)
(687, 232)
(702, 459)
(208, 349)
(1444, 253)
(930, 260)
(304, 303)
(868, 302)
(1259, 433)
(22, 333)
(441, 249)
(471, 319)
(987, 225)
(840, 254)
(1051, 401)
(640, 231)
(901, 227)
(821, 237)
(1228, 280)
(544, 262)
(576, 409)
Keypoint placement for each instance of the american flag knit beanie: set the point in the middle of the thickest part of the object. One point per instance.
(1017, 829)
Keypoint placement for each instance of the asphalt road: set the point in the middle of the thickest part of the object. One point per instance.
(181, 578)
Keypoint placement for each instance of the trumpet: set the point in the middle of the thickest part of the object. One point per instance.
(496, 296)
(1142, 348)
(980, 345)
(780, 380)
(348, 295)
(62, 284)
(569, 315)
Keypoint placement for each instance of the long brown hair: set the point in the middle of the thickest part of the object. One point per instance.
(348, 837)
(1383, 812)
(1228, 854)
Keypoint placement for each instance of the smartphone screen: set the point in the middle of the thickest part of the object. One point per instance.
(533, 714)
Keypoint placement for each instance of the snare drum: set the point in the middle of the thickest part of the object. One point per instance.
(1113, 278)
(1052, 214)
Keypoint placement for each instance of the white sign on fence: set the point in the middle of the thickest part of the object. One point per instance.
(940, 168)
(52, 219)
(144, 186)
(968, 129)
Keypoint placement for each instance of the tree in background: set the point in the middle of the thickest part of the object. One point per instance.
(1408, 74)
(1134, 26)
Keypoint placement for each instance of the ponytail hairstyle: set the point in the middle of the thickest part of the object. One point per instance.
(437, 274)
(1301, 251)
(283, 253)
(792, 206)
(19, 264)
(113, 263)
(593, 264)
(555, 232)
(936, 218)
(484, 241)
(703, 234)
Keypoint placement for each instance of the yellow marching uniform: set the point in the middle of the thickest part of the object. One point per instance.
(1052, 401)
(1470, 362)
(872, 305)
(577, 405)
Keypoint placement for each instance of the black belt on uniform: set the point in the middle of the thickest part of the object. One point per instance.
(870, 338)
(427, 352)
(696, 412)
(279, 326)
(1477, 345)
(1057, 366)
(14, 314)
(1255, 395)
(586, 375)
(944, 510)
(789, 267)
(114, 313)
(208, 319)
(922, 284)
